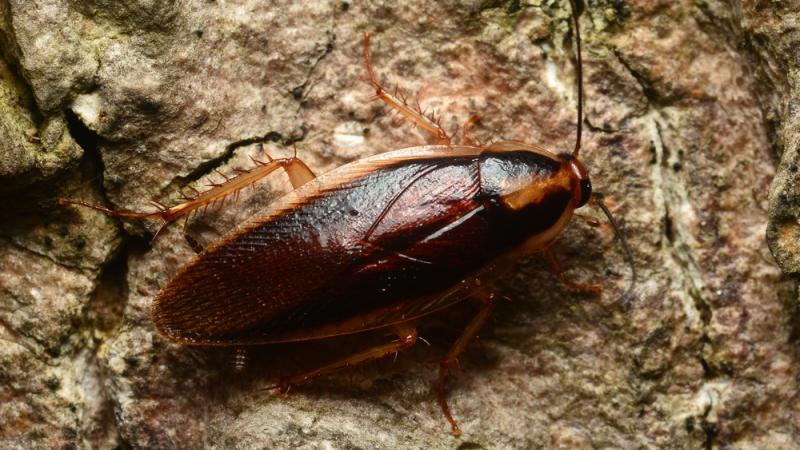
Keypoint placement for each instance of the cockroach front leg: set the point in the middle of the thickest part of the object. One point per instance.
(589, 288)
(425, 121)
(458, 347)
(297, 171)
(406, 337)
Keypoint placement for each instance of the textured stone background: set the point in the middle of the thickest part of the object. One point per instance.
(690, 116)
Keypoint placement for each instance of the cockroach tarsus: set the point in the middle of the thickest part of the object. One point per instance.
(377, 243)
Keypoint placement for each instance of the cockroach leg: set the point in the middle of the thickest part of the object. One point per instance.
(458, 347)
(399, 102)
(297, 171)
(588, 288)
(465, 130)
(406, 334)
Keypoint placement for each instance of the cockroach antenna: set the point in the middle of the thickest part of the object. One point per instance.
(597, 198)
(576, 11)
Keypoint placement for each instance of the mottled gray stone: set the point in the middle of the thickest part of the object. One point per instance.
(689, 107)
(33, 148)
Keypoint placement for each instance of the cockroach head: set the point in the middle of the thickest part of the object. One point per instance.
(531, 177)
(584, 190)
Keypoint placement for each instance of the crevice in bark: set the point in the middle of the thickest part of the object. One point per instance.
(301, 91)
(86, 138)
(647, 88)
(50, 258)
(211, 165)
(90, 142)
(674, 244)
(709, 428)
(103, 317)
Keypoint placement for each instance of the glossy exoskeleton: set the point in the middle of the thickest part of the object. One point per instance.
(377, 243)
(335, 263)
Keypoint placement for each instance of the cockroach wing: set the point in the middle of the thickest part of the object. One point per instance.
(378, 241)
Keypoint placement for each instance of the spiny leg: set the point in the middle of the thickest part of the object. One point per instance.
(426, 122)
(589, 288)
(297, 171)
(452, 355)
(406, 337)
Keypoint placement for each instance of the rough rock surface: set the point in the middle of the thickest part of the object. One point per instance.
(689, 111)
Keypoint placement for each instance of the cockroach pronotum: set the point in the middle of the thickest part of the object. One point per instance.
(377, 243)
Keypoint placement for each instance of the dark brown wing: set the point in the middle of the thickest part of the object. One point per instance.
(359, 248)
(406, 310)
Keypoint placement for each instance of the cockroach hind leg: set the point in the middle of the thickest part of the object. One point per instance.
(298, 172)
(122, 213)
(587, 288)
(400, 103)
(469, 333)
(406, 337)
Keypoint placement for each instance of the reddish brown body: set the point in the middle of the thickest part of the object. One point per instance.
(376, 242)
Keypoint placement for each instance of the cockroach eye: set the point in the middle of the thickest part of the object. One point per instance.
(586, 191)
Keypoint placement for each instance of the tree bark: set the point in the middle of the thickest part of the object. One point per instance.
(689, 118)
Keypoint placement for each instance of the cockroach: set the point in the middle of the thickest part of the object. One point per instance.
(377, 243)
